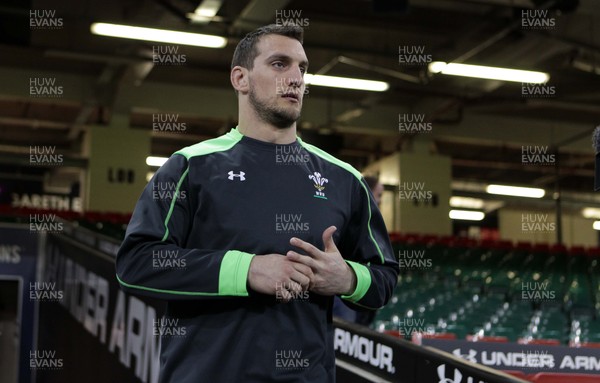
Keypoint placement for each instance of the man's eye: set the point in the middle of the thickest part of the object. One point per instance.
(303, 70)
(278, 64)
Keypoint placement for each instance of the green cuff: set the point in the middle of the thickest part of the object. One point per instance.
(234, 273)
(363, 281)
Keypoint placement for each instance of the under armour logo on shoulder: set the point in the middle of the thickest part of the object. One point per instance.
(232, 175)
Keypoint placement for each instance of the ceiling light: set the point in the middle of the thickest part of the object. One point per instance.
(158, 35)
(467, 215)
(596, 225)
(591, 212)
(515, 191)
(156, 161)
(199, 18)
(466, 202)
(488, 72)
(346, 82)
(206, 11)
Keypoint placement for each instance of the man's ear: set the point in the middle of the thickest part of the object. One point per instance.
(239, 79)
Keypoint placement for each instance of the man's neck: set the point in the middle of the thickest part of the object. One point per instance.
(265, 132)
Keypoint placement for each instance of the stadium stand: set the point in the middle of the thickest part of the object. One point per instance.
(494, 291)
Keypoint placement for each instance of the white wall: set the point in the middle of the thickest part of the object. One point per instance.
(539, 226)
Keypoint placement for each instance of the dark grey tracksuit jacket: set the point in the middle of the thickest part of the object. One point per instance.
(211, 208)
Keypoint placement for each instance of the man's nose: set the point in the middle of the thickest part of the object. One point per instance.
(296, 78)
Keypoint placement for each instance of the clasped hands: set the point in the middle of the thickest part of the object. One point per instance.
(323, 272)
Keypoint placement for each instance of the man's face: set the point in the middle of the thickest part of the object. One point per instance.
(277, 80)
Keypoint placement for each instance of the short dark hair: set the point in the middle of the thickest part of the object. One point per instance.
(246, 52)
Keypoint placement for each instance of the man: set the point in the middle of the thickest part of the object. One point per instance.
(268, 238)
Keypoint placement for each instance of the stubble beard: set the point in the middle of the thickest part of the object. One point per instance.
(278, 117)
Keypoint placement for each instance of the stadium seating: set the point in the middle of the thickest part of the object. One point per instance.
(494, 291)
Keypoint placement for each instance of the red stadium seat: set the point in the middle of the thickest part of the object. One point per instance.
(487, 243)
(526, 246)
(540, 248)
(491, 339)
(413, 238)
(576, 250)
(418, 336)
(465, 242)
(590, 345)
(496, 244)
(446, 240)
(394, 333)
(395, 237)
(504, 245)
(594, 252)
(430, 239)
(545, 342)
(558, 249)
(548, 377)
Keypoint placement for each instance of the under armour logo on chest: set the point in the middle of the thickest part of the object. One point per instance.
(232, 175)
